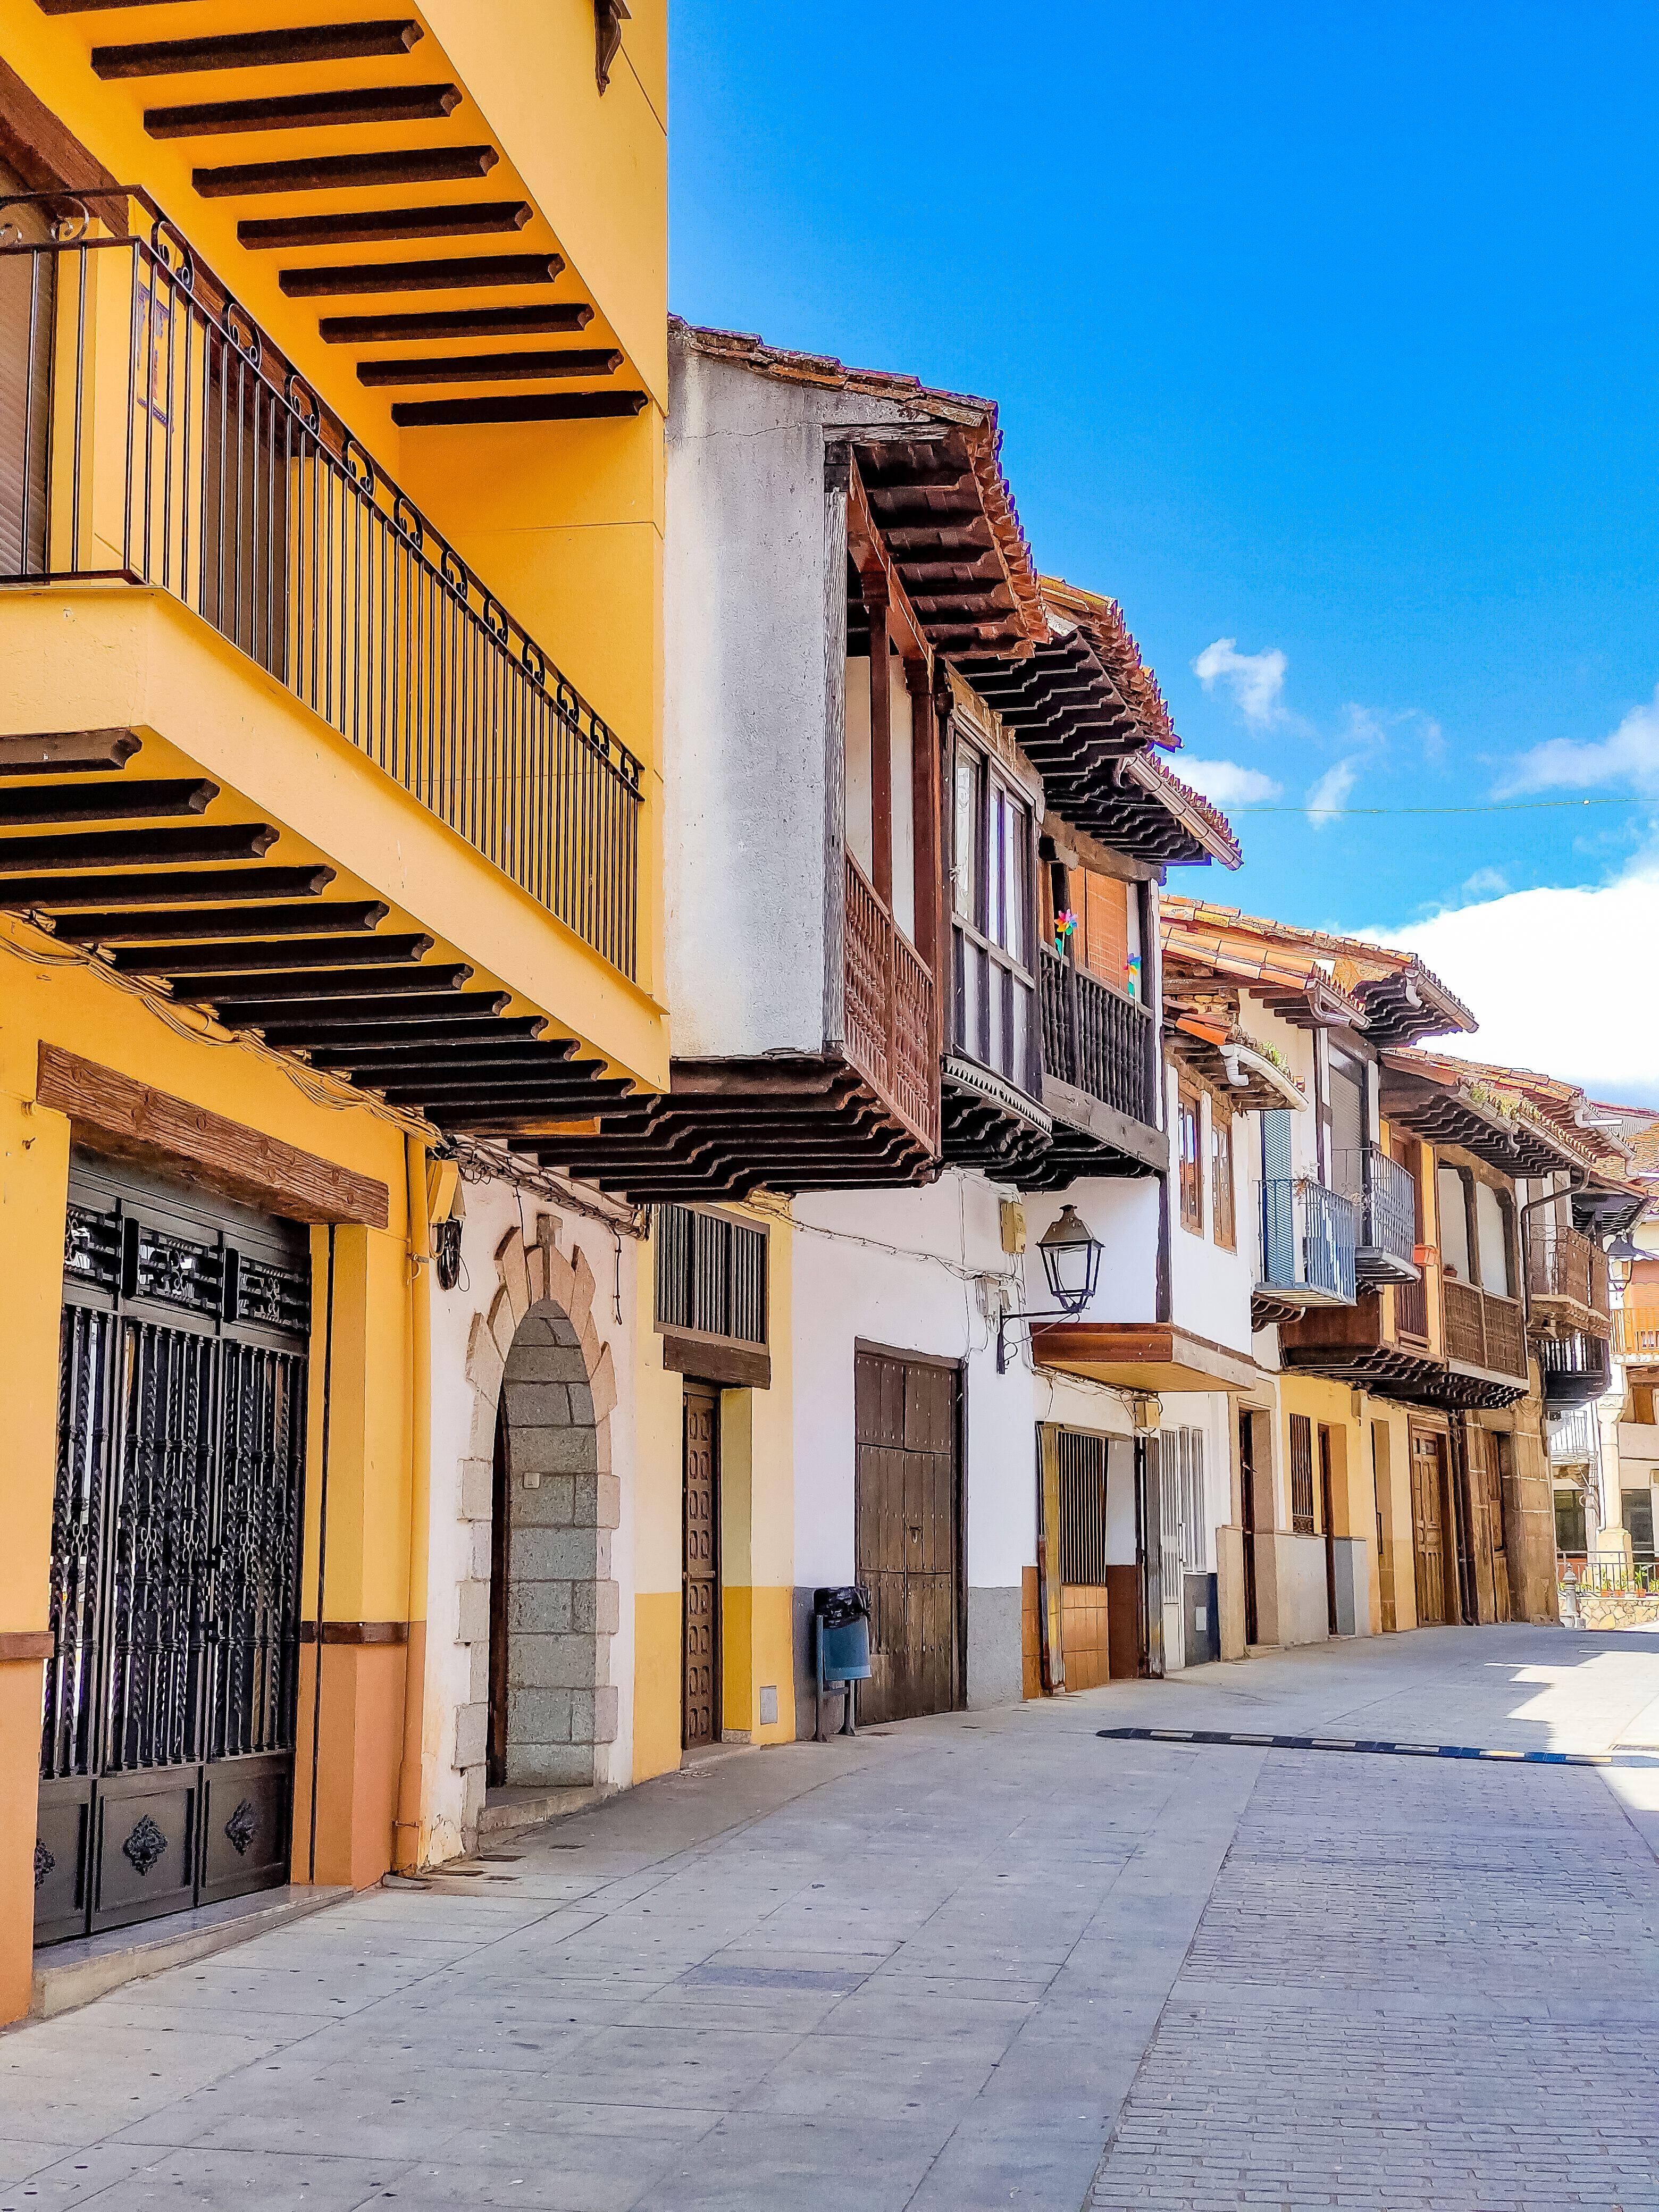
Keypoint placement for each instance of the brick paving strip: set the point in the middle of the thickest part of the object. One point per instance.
(1373, 1744)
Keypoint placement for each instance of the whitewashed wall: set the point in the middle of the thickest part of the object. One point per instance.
(463, 1431)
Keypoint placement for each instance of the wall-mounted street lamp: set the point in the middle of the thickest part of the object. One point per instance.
(1071, 1266)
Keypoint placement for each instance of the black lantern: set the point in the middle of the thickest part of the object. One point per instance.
(1071, 1265)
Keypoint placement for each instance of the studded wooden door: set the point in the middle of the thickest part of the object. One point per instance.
(908, 1513)
(701, 1588)
(1429, 1527)
(167, 1762)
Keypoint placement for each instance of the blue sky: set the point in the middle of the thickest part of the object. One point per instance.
(1331, 334)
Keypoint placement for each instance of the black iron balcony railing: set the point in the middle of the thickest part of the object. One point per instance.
(153, 434)
(1096, 1039)
(1387, 1230)
(1574, 1370)
(1307, 1240)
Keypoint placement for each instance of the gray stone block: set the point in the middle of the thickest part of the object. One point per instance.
(596, 1608)
(547, 1451)
(581, 1398)
(472, 1613)
(543, 1609)
(477, 1489)
(996, 1674)
(593, 1715)
(471, 1735)
(548, 1363)
(549, 1765)
(538, 1716)
(551, 1504)
(536, 1406)
(550, 1663)
(558, 1555)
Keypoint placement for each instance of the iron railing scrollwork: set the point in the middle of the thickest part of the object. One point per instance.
(163, 442)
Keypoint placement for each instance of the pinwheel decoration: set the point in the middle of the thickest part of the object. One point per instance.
(1064, 924)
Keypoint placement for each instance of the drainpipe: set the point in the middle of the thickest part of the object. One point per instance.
(1548, 1198)
(406, 1839)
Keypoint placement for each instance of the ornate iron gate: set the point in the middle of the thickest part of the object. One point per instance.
(166, 1756)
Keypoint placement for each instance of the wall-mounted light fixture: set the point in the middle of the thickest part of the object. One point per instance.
(1071, 1266)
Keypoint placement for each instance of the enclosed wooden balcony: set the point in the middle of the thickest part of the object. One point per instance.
(1566, 1283)
(891, 1036)
(156, 438)
(1484, 1331)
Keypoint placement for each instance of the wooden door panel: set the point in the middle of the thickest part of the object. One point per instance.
(1428, 1531)
(906, 1542)
(699, 1586)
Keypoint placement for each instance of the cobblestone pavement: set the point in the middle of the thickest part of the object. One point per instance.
(947, 1966)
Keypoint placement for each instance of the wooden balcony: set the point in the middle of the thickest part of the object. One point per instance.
(1382, 1343)
(1483, 1330)
(1566, 1283)
(890, 1033)
(1636, 1332)
(165, 444)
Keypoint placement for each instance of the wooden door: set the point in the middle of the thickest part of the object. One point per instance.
(908, 1513)
(1493, 1447)
(700, 1611)
(1085, 1638)
(1477, 1446)
(1429, 1526)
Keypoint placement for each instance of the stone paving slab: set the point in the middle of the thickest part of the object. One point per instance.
(958, 1964)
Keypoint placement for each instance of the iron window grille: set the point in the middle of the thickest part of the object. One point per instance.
(710, 1275)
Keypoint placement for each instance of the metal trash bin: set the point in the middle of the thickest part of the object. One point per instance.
(840, 1639)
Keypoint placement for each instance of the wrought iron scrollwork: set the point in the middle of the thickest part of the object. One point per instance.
(243, 333)
(172, 254)
(409, 522)
(241, 1827)
(304, 402)
(44, 1862)
(144, 1846)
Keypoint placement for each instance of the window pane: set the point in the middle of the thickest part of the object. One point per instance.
(966, 856)
(1016, 855)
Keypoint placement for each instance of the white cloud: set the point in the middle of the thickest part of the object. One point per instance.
(1227, 783)
(1527, 965)
(1486, 883)
(1255, 681)
(1330, 795)
(1630, 755)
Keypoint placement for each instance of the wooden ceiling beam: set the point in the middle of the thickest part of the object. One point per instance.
(545, 317)
(323, 1021)
(519, 407)
(317, 986)
(190, 926)
(304, 111)
(464, 1025)
(476, 271)
(36, 804)
(321, 172)
(115, 848)
(483, 217)
(321, 42)
(175, 962)
(49, 893)
(67, 753)
(483, 367)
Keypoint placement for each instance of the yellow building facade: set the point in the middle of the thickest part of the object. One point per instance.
(330, 525)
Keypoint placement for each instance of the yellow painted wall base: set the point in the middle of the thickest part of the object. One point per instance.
(656, 1683)
(757, 1626)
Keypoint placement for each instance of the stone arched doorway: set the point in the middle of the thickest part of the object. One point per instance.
(542, 1607)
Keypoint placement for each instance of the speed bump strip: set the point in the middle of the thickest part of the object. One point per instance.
(1374, 1744)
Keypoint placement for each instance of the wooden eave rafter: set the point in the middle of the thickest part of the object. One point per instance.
(262, 113)
(873, 559)
(271, 942)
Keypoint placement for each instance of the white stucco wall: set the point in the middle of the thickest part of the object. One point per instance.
(746, 797)
(457, 1676)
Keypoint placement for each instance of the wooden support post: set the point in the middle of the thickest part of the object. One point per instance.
(924, 809)
(881, 742)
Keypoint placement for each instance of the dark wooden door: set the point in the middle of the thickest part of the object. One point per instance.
(1429, 1527)
(701, 1589)
(908, 1511)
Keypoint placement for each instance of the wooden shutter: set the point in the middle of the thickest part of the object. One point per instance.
(26, 327)
(1105, 925)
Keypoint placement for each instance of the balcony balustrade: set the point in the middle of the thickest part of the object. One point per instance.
(162, 442)
(1388, 1219)
(1309, 1237)
(1574, 1369)
(1484, 1330)
(1636, 1332)
(1563, 1268)
(1097, 1039)
(891, 1036)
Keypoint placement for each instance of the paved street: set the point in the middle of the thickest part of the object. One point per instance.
(985, 1961)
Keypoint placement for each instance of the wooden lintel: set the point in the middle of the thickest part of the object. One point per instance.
(355, 1631)
(26, 1645)
(716, 1358)
(138, 1121)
